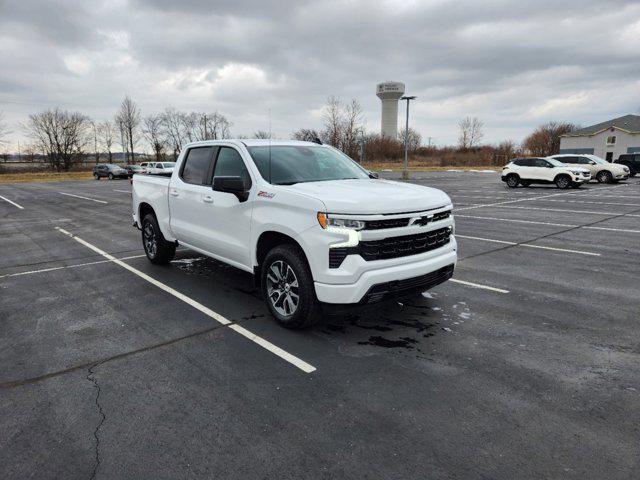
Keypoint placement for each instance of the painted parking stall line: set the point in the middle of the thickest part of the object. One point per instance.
(12, 202)
(84, 198)
(479, 285)
(529, 245)
(75, 265)
(288, 357)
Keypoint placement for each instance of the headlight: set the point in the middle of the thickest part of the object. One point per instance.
(326, 220)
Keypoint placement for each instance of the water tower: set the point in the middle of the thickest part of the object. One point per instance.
(389, 93)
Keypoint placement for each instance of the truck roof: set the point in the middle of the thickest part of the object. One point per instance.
(252, 142)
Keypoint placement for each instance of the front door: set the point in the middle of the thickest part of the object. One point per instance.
(229, 235)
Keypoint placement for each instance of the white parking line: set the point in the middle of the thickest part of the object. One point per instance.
(613, 229)
(596, 203)
(517, 221)
(123, 191)
(295, 361)
(580, 252)
(560, 210)
(52, 269)
(12, 203)
(478, 285)
(84, 198)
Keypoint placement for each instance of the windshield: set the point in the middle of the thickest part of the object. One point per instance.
(135, 167)
(168, 164)
(555, 162)
(298, 164)
(597, 159)
(113, 165)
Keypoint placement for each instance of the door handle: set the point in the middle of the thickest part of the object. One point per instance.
(207, 198)
(174, 192)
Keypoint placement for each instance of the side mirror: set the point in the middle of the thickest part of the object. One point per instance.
(591, 162)
(374, 175)
(233, 185)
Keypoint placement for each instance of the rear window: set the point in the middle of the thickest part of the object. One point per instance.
(196, 165)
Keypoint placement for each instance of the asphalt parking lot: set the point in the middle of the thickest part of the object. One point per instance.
(525, 365)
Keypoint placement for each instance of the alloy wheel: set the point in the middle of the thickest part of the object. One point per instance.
(150, 240)
(283, 288)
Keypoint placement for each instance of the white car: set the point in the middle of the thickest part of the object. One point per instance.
(525, 171)
(601, 170)
(160, 167)
(310, 224)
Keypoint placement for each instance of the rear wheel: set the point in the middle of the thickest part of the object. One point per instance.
(288, 289)
(604, 177)
(512, 180)
(159, 251)
(563, 181)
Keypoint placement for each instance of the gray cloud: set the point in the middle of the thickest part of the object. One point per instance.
(513, 64)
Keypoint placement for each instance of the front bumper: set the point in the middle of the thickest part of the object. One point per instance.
(378, 284)
(580, 178)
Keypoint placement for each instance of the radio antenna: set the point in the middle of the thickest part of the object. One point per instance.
(270, 180)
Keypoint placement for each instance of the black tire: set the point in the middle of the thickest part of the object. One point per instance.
(525, 183)
(576, 185)
(159, 251)
(283, 266)
(632, 174)
(512, 180)
(563, 181)
(111, 176)
(96, 176)
(604, 177)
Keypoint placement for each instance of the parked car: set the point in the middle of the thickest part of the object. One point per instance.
(144, 166)
(311, 225)
(131, 169)
(601, 170)
(525, 171)
(160, 167)
(631, 161)
(109, 170)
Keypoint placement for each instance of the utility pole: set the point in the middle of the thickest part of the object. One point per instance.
(206, 137)
(405, 167)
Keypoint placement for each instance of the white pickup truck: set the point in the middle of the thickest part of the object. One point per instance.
(308, 222)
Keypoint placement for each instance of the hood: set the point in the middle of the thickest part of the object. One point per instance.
(616, 167)
(372, 196)
(577, 169)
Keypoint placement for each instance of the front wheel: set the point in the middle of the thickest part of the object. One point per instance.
(288, 289)
(159, 251)
(111, 176)
(512, 180)
(563, 181)
(525, 183)
(604, 177)
(96, 176)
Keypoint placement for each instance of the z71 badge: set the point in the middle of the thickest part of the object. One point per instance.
(264, 194)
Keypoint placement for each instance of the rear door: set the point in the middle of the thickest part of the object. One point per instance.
(544, 169)
(528, 170)
(190, 198)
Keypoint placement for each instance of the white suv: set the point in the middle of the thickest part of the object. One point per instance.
(600, 169)
(525, 171)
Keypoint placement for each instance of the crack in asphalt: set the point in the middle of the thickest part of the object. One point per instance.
(93, 363)
(103, 417)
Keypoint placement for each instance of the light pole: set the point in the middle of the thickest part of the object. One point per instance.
(405, 170)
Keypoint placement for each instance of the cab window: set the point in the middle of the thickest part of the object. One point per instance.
(230, 164)
(196, 165)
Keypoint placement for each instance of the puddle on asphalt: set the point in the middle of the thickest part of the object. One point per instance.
(401, 327)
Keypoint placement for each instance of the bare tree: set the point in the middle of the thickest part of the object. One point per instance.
(61, 135)
(172, 126)
(306, 135)
(352, 128)
(94, 135)
(333, 121)
(415, 139)
(122, 138)
(152, 129)
(4, 130)
(106, 132)
(262, 134)
(545, 140)
(470, 132)
(129, 118)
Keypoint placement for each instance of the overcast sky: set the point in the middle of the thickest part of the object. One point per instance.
(514, 64)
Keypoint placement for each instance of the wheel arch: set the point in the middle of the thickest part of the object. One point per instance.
(268, 240)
